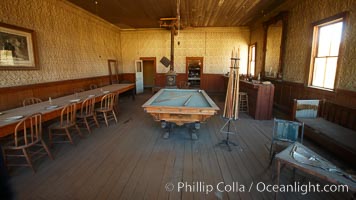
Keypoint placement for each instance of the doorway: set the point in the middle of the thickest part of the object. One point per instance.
(149, 71)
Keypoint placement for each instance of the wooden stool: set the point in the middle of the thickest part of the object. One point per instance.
(243, 102)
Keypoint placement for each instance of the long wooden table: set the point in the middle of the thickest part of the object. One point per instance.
(7, 127)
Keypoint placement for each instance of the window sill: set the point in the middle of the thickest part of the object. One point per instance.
(320, 88)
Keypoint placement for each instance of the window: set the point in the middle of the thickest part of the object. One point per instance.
(252, 59)
(325, 52)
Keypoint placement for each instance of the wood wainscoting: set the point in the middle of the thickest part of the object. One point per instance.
(12, 97)
(286, 91)
(212, 83)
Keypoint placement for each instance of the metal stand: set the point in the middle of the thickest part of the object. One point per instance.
(226, 142)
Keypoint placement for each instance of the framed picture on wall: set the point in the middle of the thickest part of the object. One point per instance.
(17, 48)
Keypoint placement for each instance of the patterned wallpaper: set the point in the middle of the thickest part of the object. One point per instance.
(71, 42)
(273, 48)
(257, 34)
(298, 47)
(299, 40)
(214, 44)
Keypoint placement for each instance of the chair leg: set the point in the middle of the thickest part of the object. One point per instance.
(270, 150)
(87, 124)
(113, 112)
(47, 150)
(79, 133)
(69, 136)
(27, 156)
(5, 158)
(50, 138)
(106, 119)
(271, 159)
(96, 121)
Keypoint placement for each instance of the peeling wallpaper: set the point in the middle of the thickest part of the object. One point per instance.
(298, 42)
(71, 43)
(214, 44)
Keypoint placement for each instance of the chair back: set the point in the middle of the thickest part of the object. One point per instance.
(68, 115)
(88, 107)
(306, 108)
(28, 131)
(288, 131)
(108, 101)
(30, 101)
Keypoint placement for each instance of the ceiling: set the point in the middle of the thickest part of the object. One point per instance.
(193, 13)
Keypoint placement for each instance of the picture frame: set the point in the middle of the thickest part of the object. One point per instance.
(17, 48)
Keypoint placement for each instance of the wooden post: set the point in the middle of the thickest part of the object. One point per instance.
(172, 48)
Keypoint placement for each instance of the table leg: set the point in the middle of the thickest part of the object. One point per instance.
(278, 168)
(133, 93)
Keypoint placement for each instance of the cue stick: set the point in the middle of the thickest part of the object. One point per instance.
(227, 108)
(169, 99)
(187, 101)
(237, 93)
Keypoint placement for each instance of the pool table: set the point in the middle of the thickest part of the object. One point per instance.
(181, 106)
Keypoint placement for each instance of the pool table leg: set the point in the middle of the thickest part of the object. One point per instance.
(167, 128)
(195, 130)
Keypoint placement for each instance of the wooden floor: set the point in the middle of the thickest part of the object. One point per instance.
(131, 160)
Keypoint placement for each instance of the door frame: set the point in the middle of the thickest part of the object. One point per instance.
(155, 67)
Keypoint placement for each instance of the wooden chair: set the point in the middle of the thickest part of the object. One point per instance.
(284, 133)
(87, 112)
(67, 121)
(30, 101)
(93, 86)
(107, 108)
(27, 142)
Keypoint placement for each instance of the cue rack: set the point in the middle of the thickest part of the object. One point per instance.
(231, 106)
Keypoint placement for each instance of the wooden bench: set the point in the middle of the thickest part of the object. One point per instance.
(330, 125)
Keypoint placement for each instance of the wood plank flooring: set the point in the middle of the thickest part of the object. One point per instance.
(131, 160)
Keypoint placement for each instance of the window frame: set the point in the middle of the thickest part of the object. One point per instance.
(249, 58)
(341, 17)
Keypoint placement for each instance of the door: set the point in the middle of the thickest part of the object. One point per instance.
(139, 76)
(149, 71)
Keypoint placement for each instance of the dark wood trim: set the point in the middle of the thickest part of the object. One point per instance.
(346, 93)
(55, 83)
(286, 92)
(12, 97)
(331, 18)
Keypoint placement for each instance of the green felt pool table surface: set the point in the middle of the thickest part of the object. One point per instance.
(181, 106)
